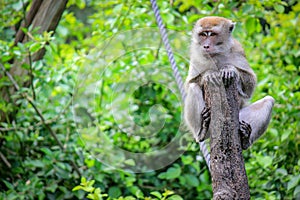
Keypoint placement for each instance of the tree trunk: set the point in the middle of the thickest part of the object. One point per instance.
(44, 14)
(229, 179)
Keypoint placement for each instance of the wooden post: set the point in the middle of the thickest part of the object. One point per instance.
(229, 179)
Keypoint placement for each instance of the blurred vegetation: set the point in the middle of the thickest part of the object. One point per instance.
(105, 86)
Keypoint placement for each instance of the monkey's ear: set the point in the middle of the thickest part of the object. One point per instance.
(231, 27)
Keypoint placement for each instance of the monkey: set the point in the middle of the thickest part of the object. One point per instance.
(218, 58)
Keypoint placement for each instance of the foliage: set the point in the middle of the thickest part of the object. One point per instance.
(106, 89)
(95, 193)
(87, 186)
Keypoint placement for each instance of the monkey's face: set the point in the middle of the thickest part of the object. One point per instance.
(213, 35)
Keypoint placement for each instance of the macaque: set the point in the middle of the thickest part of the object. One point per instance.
(218, 58)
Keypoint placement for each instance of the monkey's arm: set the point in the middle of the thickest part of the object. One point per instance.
(247, 82)
(196, 116)
(235, 61)
(247, 77)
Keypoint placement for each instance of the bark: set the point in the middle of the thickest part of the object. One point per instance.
(229, 179)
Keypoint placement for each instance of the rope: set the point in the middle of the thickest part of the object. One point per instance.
(176, 74)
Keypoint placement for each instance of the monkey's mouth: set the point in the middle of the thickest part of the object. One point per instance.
(209, 53)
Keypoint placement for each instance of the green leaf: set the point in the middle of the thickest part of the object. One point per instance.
(264, 161)
(97, 191)
(83, 180)
(281, 172)
(285, 135)
(47, 151)
(80, 4)
(88, 189)
(182, 180)
(169, 18)
(136, 191)
(175, 197)
(297, 191)
(274, 132)
(90, 183)
(78, 187)
(8, 184)
(187, 159)
(89, 162)
(92, 196)
(293, 182)
(34, 163)
(251, 25)
(129, 198)
(162, 175)
(35, 47)
(156, 194)
(52, 187)
(6, 58)
(279, 8)
(173, 172)
(247, 8)
(191, 180)
(167, 193)
(114, 192)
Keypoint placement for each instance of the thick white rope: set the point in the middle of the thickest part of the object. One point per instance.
(177, 76)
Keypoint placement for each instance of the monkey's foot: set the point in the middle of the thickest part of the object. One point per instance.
(245, 132)
(205, 115)
(228, 73)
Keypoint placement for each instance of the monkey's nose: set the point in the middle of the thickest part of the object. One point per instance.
(206, 47)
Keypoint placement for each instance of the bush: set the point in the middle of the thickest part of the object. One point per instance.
(106, 90)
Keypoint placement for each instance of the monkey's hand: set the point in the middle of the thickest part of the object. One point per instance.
(212, 77)
(245, 132)
(228, 74)
(205, 115)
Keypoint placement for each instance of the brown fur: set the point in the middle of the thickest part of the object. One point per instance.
(209, 22)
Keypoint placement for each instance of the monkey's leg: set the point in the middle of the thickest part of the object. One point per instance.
(258, 115)
(194, 111)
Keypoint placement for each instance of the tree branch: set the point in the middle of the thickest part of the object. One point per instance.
(5, 160)
(228, 172)
(45, 15)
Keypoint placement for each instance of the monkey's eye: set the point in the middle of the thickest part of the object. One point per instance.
(213, 34)
(203, 34)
